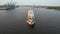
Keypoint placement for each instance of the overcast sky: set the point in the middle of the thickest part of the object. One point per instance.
(35, 2)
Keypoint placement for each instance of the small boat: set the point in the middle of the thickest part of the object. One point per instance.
(30, 17)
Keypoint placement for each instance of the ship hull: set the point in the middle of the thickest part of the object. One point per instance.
(30, 17)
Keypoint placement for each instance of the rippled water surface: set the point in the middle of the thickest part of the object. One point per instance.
(14, 21)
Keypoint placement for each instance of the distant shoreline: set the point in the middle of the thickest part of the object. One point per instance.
(47, 7)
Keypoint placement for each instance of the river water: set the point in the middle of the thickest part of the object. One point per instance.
(14, 21)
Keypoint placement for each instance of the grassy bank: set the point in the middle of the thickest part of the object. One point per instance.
(58, 8)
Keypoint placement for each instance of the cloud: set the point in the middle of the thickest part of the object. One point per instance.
(36, 2)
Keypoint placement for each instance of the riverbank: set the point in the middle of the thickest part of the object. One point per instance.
(57, 8)
(4, 8)
(47, 7)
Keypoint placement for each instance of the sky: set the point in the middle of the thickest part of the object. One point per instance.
(34, 2)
